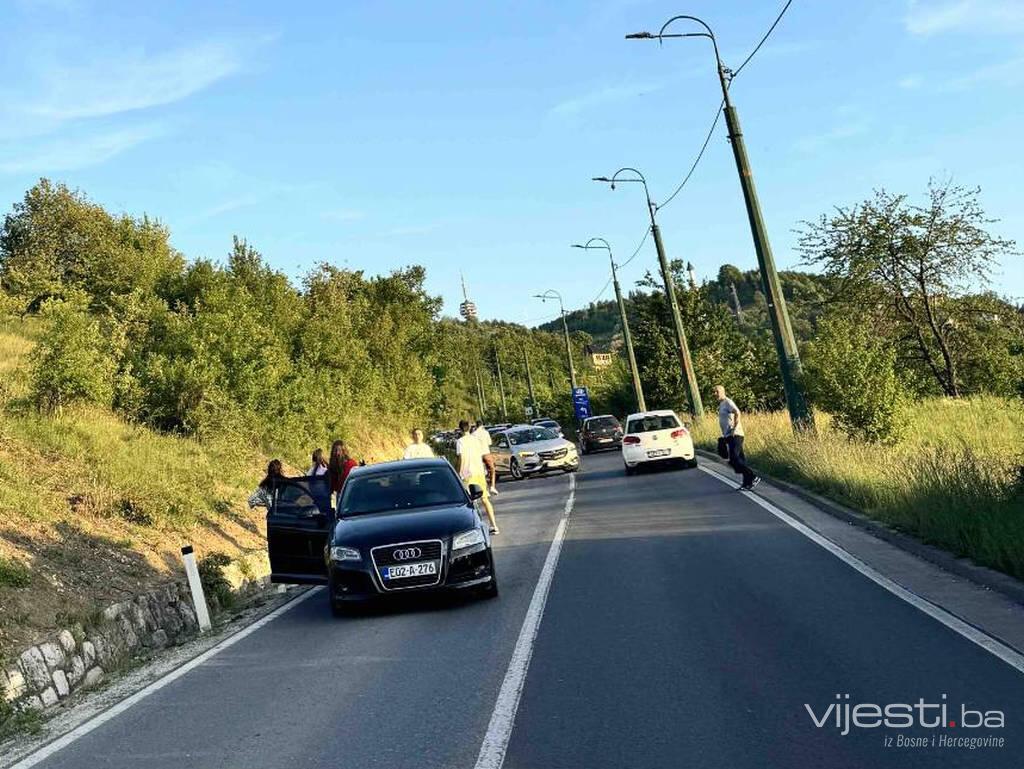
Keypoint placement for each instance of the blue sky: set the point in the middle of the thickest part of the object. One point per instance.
(463, 135)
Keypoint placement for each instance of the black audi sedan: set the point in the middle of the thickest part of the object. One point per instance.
(400, 527)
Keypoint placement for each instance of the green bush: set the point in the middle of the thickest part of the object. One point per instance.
(215, 584)
(13, 573)
(72, 361)
(852, 375)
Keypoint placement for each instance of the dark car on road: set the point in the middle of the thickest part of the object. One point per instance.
(599, 433)
(400, 527)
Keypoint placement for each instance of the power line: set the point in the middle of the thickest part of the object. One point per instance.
(766, 36)
(647, 232)
(696, 161)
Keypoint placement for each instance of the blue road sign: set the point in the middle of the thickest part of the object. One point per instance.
(581, 402)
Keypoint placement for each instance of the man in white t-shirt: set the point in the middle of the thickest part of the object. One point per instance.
(417, 449)
(471, 467)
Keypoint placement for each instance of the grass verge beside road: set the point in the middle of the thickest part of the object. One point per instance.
(955, 481)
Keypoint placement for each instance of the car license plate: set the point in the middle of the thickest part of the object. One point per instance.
(604, 440)
(659, 453)
(406, 570)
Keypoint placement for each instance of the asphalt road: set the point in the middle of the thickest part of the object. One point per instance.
(685, 627)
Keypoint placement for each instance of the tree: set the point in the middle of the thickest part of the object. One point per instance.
(851, 371)
(912, 268)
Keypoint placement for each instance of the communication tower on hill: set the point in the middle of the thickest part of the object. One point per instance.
(467, 309)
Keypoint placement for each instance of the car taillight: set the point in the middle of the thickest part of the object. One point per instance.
(681, 432)
(630, 439)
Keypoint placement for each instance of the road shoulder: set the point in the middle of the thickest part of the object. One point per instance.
(989, 610)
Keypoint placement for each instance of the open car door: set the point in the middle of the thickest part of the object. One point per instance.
(297, 526)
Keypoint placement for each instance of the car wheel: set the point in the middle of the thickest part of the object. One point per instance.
(630, 470)
(338, 609)
(490, 590)
(690, 463)
(515, 470)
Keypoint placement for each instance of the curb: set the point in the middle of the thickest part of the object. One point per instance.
(961, 566)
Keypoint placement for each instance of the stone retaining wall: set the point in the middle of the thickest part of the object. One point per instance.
(78, 658)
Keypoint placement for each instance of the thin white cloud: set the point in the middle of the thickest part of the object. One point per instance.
(70, 154)
(602, 97)
(933, 17)
(1006, 74)
(132, 81)
(910, 82)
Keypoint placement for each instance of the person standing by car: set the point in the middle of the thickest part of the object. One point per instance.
(732, 431)
(480, 432)
(339, 466)
(471, 468)
(319, 466)
(264, 494)
(417, 449)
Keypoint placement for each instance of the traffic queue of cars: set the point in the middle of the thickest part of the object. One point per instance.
(413, 526)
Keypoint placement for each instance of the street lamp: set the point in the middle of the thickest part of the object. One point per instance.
(785, 341)
(637, 388)
(696, 405)
(552, 294)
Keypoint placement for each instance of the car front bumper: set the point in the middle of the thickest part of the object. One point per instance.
(537, 464)
(351, 581)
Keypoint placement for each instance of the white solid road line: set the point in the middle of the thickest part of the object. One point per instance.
(80, 731)
(1008, 655)
(499, 730)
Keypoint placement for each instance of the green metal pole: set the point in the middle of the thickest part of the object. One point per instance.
(501, 385)
(568, 349)
(785, 342)
(638, 389)
(696, 405)
(529, 381)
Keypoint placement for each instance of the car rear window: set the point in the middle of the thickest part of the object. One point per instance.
(649, 424)
(531, 435)
(401, 490)
(602, 423)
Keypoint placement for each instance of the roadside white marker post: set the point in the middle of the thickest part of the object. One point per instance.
(196, 585)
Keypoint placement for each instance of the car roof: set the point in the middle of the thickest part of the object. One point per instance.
(655, 413)
(425, 463)
(601, 416)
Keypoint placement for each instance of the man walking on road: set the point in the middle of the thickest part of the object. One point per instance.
(471, 467)
(417, 449)
(732, 431)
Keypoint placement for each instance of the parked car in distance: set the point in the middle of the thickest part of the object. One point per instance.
(551, 424)
(655, 437)
(528, 449)
(599, 433)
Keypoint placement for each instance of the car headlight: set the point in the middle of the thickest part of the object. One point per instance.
(468, 538)
(339, 553)
(527, 453)
(572, 448)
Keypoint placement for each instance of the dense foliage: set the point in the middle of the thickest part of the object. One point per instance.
(204, 348)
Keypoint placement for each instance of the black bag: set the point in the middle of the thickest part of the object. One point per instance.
(723, 447)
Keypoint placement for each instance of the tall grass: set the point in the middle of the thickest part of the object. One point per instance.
(956, 480)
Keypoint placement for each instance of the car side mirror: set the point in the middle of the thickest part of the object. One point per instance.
(475, 492)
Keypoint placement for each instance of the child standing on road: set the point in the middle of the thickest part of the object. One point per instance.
(319, 466)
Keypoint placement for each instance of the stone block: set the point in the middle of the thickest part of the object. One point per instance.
(14, 684)
(49, 697)
(76, 670)
(34, 665)
(53, 654)
(30, 703)
(113, 611)
(60, 683)
(93, 677)
(88, 653)
(67, 641)
(158, 640)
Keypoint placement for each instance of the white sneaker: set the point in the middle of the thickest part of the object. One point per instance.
(494, 491)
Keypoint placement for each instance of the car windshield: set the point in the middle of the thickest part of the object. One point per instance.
(531, 435)
(401, 490)
(651, 423)
(602, 423)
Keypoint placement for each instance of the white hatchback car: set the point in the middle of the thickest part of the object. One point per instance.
(656, 436)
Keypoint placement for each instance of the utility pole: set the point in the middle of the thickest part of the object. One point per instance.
(685, 362)
(790, 366)
(638, 389)
(501, 384)
(552, 294)
(696, 404)
(529, 381)
(736, 308)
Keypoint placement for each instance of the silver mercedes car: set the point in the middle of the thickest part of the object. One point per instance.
(524, 450)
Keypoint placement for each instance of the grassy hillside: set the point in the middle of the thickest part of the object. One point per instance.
(956, 480)
(93, 509)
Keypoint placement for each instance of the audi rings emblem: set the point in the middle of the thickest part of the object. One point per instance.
(407, 553)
